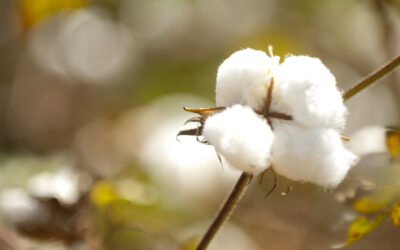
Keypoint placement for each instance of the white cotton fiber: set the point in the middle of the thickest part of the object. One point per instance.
(306, 89)
(244, 77)
(241, 137)
(314, 155)
(307, 148)
(369, 140)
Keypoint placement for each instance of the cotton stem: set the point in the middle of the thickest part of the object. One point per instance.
(225, 211)
(373, 77)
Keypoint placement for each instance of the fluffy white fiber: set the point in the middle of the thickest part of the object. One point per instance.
(17, 205)
(306, 89)
(244, 77)
(314, 155)
(309, 147)
(369, 140)
(241, 137)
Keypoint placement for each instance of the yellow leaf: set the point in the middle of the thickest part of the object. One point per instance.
(393, 142)
(395, 214)
(103, 193)
(191, 243)
(32, 11)
(374, 203)
(361, 226)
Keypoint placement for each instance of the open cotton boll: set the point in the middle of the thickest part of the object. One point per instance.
(242, 137)
(306, 89)
(62, 185)
(17, 205)
(314, 155)
(244, 77)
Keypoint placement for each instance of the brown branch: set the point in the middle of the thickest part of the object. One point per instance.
(373, 77)
(225, 211)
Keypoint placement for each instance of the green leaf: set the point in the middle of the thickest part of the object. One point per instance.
(361, 226)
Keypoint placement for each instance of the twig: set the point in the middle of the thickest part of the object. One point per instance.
(225, 210)
(381, 72)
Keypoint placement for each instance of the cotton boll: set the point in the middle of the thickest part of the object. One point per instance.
(314, 155)
(18, 205)
(306, 89)
(244, 77)
(62, 185)
(242, 137)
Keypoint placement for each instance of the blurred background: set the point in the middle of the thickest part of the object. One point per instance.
(91, 97)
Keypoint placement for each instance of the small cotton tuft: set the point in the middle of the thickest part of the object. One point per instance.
(244, 77)
(306, 89)
(241, 137)
(314, 155)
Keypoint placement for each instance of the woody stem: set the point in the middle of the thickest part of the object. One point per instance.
(225, 211)
(373, 77)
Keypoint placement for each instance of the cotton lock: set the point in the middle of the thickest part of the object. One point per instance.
(311, 154)
(242, 137)
(307, 90)
(244, 77)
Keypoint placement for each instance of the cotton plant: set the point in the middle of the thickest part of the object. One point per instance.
(286, 117)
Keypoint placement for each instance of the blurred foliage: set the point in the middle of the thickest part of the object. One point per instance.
(393, 142)
(382, 202)
(394, 3)
(171, 78)
(395, 214)
(192, 243)
(34, 11)
(361, 226)
(375, 202)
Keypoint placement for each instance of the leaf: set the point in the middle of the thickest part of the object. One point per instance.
(34, 11)
(374, 203)
(393, 142)
(361, 226)
(103, 193)
(395, 214)
(191, 243)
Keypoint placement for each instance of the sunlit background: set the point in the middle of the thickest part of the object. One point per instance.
(91, 97)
